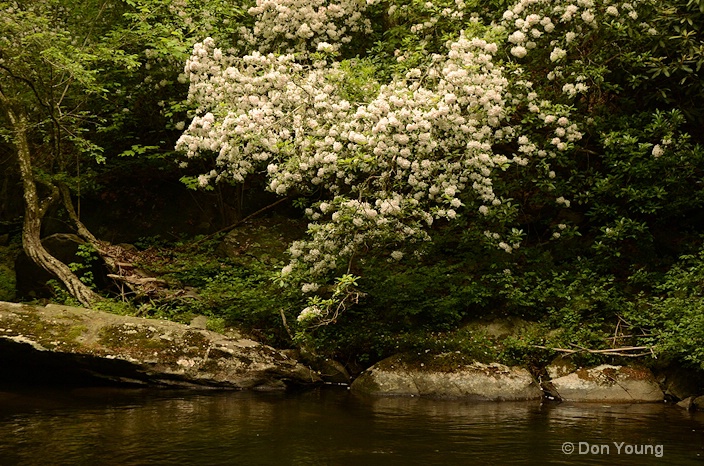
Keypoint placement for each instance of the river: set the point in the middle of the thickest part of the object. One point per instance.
(109, 426)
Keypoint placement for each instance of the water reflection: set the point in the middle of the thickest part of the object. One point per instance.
(142, 427)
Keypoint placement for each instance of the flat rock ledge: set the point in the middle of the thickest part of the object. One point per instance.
(68, 344)
(606, 383)
(441, 376)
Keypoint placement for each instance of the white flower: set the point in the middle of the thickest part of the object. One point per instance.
(557, 54)
(505, 247)
(310, 287)
(657, 151)
(518, 51)
(517, 37)
(325, 47)
(309, 313)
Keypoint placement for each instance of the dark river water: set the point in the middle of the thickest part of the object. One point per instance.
(107, 426)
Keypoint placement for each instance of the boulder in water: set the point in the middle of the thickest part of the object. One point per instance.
(611, 384)
(76, 345)
(447, 376)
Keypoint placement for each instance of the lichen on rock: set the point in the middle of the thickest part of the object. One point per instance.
(446, 376)
(608, 383)
(146, 351)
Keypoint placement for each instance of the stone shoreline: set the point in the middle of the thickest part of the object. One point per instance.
(498, 382)
(62, 343)
(66, 344)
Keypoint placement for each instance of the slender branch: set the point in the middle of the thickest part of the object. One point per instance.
(610, 352)
(240, 222)
(28, 83)
(283, 318)
(83, 232)
(70, 80)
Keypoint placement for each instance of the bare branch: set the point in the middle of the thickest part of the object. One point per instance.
(240, 222)
(609, 352)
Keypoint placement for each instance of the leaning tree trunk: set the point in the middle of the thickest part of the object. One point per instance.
(34, 212)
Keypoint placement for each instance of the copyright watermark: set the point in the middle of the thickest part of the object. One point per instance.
(613, 448)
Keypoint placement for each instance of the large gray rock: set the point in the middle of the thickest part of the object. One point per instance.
(608, 383)
(76, 344)
(446, 376)
(680, 382)
(688, 404)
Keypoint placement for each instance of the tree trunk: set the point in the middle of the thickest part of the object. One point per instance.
(81, 229)
(34, 212)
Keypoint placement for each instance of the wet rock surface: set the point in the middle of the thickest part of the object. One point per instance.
(68, 344)
(607, 383)
(442, 376)
(680, 383)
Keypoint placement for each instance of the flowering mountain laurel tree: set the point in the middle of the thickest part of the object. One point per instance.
(389, 158)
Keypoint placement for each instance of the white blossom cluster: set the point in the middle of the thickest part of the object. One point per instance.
(424, 18)
(310, 313)
(546, 25)
(303, 25)
(557, 33)
(389, 161)
(420, 146)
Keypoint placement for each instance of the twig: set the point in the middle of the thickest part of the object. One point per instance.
(240, 222)
(610, 351)
(283, 318)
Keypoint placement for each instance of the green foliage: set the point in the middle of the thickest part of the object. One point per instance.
(88, 258)
(53, 65)
(675, 67)
(137, 149)
(239, 291)
(673, 319)
(436, 296)
(8, 254)
(7, 283)
(363, 339)
(61, 295)
(107, 82)
(115, 307)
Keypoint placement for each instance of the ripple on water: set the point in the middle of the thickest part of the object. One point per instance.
(108, 426)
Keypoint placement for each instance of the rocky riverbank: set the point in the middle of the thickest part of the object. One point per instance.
(450, 376)
(62, 344)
